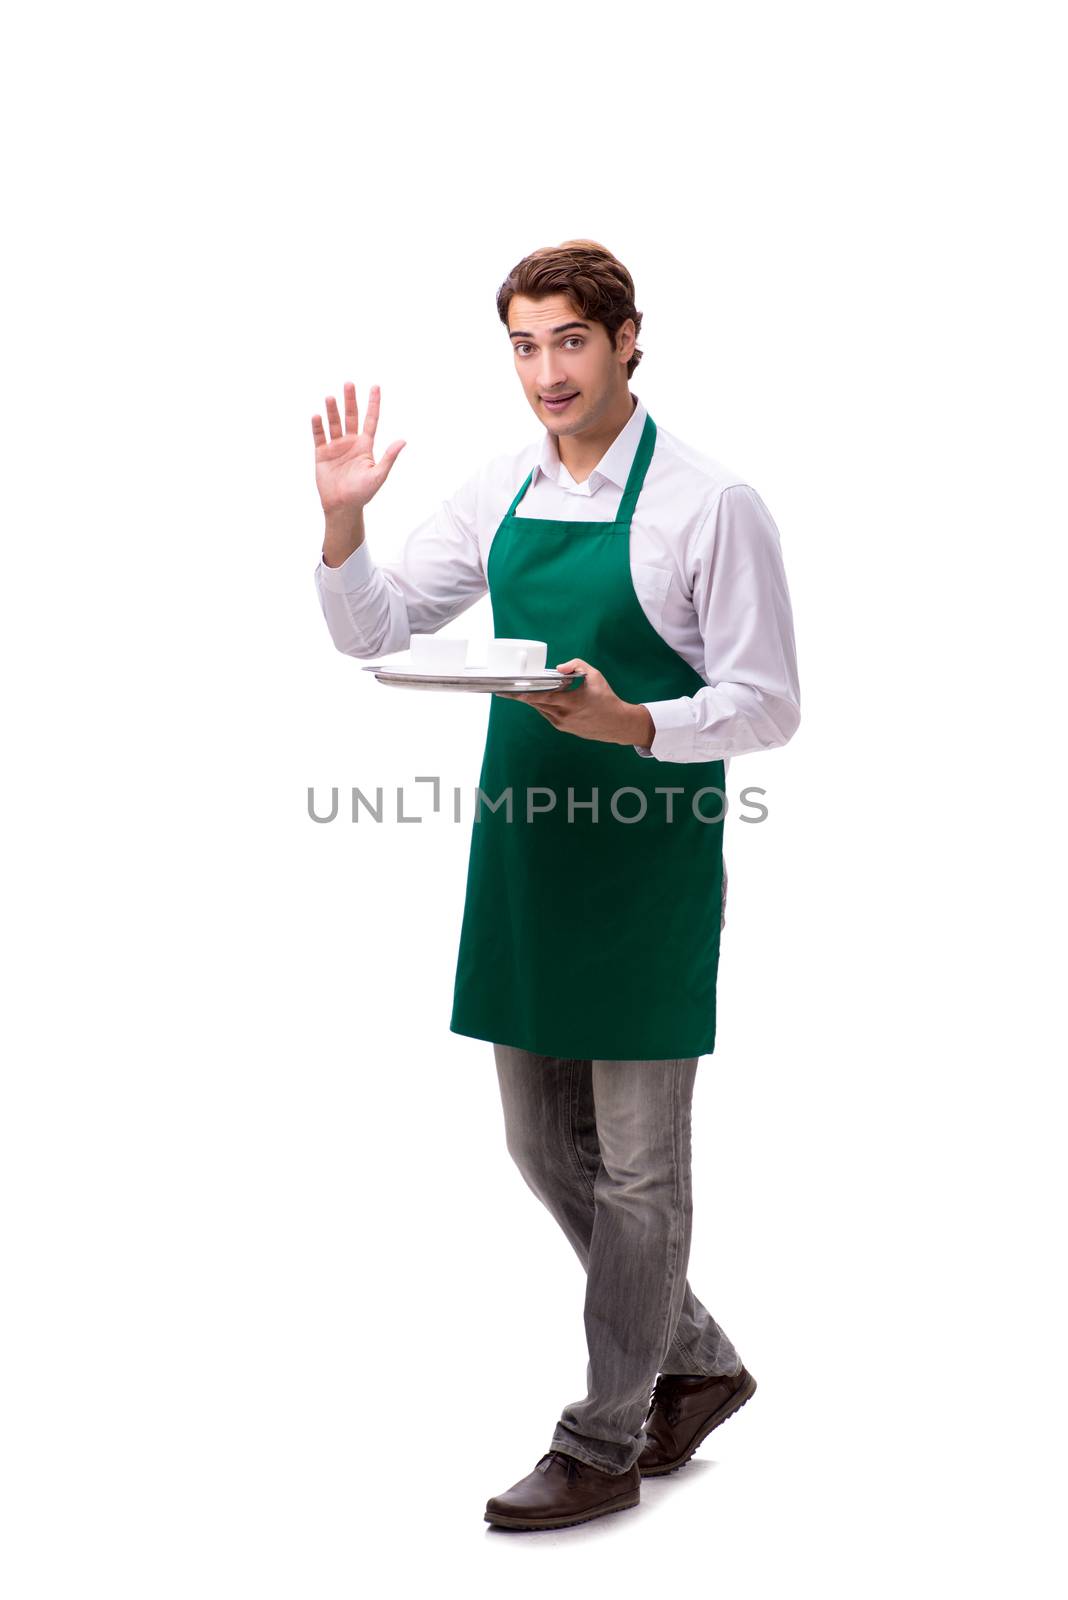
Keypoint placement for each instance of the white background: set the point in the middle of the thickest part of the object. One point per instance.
(280, 1309)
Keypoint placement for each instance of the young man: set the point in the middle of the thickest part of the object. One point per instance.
(590, 942)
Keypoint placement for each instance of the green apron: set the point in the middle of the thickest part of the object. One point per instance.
(595, 939)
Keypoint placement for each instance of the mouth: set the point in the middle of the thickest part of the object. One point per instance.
(558, 403)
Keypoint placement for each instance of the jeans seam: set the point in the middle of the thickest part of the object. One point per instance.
(572, 1086)
(677, 1206)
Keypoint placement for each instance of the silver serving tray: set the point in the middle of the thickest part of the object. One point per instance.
(478, 682)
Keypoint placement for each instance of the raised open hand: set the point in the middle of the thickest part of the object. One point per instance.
(346, 473)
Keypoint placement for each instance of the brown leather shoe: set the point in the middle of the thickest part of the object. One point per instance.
(562, 1490)
(683, 1410)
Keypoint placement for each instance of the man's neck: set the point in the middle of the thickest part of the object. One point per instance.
(580, 452)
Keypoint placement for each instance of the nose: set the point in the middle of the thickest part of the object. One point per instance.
(551, 374)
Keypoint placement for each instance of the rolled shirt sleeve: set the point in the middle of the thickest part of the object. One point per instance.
(373, 609)
(742, 601)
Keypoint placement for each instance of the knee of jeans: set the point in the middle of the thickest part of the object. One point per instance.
(644, 1170)
(541, 1169)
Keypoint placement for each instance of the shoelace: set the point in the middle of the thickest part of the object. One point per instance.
(665, 1395)
(574, 1467)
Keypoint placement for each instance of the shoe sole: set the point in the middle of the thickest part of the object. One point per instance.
(535, 1525)
(734, 1403)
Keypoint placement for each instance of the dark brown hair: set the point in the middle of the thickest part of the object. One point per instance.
(599, 286)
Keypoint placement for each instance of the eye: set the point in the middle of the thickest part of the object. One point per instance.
(572, 338)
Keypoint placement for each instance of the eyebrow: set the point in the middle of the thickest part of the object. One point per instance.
(516, 334)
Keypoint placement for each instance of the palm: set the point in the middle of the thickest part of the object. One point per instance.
(346, 472)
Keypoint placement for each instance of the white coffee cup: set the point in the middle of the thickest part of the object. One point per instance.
(428, 653)
(516, 655)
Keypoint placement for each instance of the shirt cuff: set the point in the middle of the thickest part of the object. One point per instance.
(676, 731)
(356, 570)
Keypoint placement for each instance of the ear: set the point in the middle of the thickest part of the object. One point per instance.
(626, 335)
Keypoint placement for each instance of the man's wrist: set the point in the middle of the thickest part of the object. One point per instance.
(641, 725)
(343, 534)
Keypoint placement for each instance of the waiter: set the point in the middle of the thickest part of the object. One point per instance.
(589, 947)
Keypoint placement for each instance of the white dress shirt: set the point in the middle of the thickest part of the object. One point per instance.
(705, 562)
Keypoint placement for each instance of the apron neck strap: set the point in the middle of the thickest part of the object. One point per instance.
(636, 477)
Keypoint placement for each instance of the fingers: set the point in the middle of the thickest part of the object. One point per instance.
(352, 418)
(370, 422)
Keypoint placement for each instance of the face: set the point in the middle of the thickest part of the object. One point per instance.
(558, 351)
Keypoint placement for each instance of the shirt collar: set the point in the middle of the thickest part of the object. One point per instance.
(614, 466)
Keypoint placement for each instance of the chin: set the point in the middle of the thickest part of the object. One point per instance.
(562, 423)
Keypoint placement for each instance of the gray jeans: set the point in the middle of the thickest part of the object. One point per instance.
(605, 1146)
